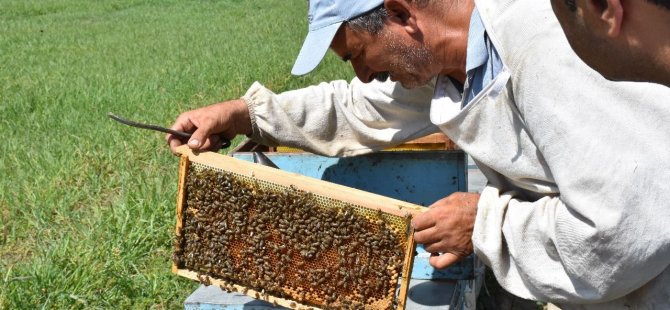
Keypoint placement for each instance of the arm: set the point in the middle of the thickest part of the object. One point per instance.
(336, 118)
(340, 118)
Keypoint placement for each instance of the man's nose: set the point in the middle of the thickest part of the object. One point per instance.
(362, 72)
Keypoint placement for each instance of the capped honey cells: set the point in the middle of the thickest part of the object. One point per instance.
(288, 243)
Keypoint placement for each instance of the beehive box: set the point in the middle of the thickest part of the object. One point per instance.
(291, 240)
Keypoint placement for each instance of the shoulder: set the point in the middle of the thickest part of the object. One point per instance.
(534, 49)
(522, 30)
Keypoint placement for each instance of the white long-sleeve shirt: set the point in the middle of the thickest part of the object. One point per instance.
(577, 210)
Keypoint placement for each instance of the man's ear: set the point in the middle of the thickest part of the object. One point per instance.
(403, 14)
(609, 13)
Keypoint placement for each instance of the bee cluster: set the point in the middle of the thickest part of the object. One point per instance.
(286, 243)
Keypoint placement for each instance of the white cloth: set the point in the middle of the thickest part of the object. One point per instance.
(577, 210)
(585, 222)
(340, 119)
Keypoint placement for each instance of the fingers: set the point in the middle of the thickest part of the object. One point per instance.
(174, 142)
(183, 123)
(429, 218)
(203, 124)
(213, 143)
(200, 139)
(447, 228)
(427, 236)
(444, 260)
(209, 124)
(436, 247)
(423, 221)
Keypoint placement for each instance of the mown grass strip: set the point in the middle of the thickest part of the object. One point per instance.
(87, 205)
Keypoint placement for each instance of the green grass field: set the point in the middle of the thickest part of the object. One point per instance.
(87, 205)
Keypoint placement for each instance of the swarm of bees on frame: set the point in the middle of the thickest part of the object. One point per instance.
(284, 242)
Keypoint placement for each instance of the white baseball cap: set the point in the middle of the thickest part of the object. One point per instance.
(325, 18)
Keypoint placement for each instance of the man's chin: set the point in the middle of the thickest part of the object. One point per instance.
(409, 86)
(412, 84)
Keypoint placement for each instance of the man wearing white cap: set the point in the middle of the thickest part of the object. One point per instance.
(578, 197)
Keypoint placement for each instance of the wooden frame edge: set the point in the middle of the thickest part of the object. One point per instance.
(407, 271)
(329, 189)
(400, 208)
(183, 166)
(290, 304)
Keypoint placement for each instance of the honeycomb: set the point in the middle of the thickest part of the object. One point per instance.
(288, 243)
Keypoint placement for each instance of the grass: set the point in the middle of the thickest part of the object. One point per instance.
(87, 205)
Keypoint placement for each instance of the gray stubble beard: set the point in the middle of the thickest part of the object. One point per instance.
(410, 57)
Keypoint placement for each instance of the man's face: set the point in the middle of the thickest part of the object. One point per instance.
(386, 53)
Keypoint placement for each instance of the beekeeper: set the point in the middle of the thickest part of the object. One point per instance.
(577, 206)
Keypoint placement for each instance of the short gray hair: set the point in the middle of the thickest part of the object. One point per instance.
(371, 22)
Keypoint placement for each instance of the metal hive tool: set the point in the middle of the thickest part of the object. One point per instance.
(291, 240)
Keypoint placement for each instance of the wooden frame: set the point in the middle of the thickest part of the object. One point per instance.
(315, 186)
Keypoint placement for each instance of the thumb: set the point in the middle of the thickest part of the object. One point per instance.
(199, 137)
(444, 260)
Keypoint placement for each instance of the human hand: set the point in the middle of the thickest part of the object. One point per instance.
(209, 124)
(446, 228)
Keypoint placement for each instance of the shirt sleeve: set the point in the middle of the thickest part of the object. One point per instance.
(340, 118)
